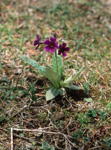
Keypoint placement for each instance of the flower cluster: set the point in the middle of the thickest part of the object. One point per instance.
(52, 45)
(37, 41)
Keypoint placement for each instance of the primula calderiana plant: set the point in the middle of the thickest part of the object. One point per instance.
(54, 72)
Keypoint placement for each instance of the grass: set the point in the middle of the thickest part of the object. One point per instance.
(85, 26)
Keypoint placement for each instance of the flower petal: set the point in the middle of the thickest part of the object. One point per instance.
(38, 37)
(67, 49)
(64, 44)
(59, 52)
(60, 46)
(52, 50)
(53, 39)
(47, 48)
(35, 42)
(56, 45)
(46, 42)
(64, 54)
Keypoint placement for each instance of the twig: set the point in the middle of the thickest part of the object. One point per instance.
(48, 132)
(42, 107)
(24, 138)
(95, 148)
(53, 124)
(67, 124)
(38, 130)
(18, 111)
(11, 138)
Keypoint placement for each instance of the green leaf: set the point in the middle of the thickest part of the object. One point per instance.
(88, 99)
(59, 62)
(52, 93)
(34, 64)
(86, 88)
(52, 148)
(71, 78)
(74, 87)
(53, 77)
(21, 135)
(62, 91)
(34, 143)
(4, 79)
(45, 145)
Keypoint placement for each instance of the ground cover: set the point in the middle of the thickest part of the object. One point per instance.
(73, 123)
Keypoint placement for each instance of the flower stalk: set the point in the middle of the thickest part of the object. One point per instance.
(57, 66)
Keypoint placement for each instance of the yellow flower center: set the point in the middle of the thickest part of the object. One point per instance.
(51, 45)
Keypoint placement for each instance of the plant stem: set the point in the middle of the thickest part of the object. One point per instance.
(0, 58)
(56, 62)
(57, 66)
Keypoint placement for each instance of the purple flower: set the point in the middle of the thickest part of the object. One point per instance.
(51, 45)
(63, 49)
(36, 42)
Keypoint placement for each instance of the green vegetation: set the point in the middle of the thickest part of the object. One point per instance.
(77, 120)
